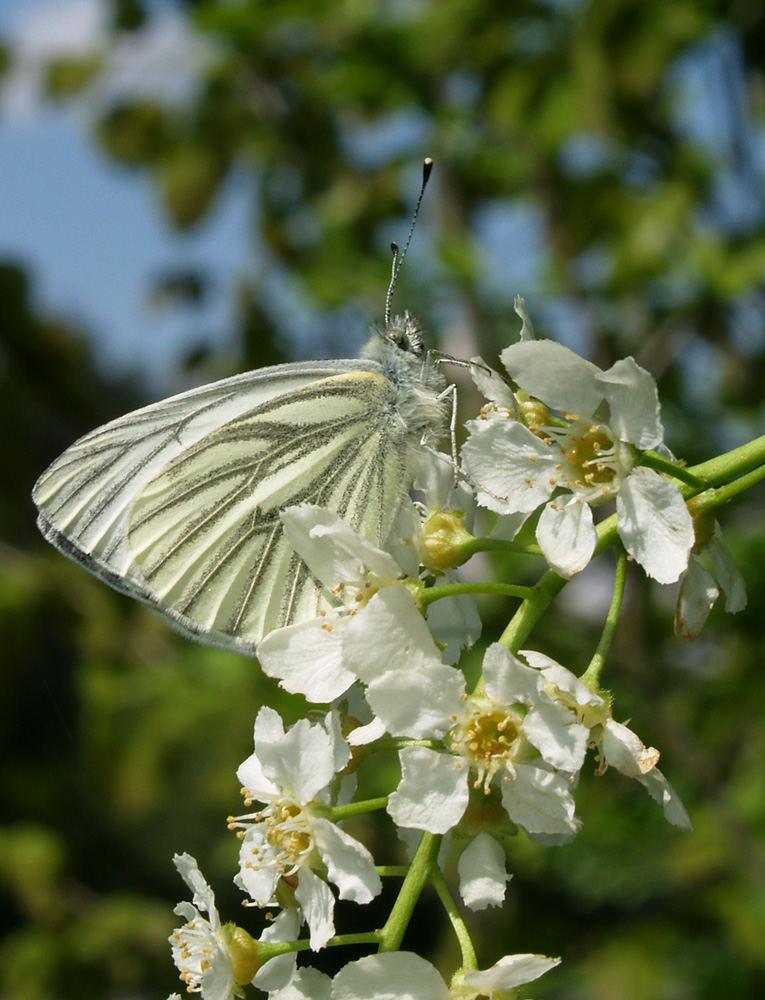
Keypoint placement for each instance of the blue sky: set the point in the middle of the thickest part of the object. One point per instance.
(92, 235)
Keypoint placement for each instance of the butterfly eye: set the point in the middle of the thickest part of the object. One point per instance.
(404, 331)
(399, 338)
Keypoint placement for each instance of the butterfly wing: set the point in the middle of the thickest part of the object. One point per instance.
(177, 504)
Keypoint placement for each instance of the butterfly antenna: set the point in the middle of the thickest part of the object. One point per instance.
(398, 259)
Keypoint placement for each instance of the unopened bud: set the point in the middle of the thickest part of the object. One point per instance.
(444, 541)
(533, 413)
(247, 954)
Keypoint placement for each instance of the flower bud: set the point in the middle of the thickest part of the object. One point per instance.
(246, 953)
(443, 541)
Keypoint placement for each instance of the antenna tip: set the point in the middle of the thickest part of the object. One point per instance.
(427, 166)
(394, 248)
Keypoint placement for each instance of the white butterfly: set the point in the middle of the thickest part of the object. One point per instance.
(178, 503)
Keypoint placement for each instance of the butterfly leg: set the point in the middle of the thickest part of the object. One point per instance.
(449, 391)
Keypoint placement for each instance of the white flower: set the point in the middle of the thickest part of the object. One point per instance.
(286, 842)
(405, 976)
(310, 657)
(200, 948)
(617, 745)
(511, 739)
(520, 458)
(699, 589)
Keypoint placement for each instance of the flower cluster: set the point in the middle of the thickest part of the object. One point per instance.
(478, 763)
(550, 445)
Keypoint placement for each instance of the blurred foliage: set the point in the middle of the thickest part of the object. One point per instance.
(66, 77)
(601, 158)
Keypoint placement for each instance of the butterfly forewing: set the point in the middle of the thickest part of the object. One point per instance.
(205, 532)
(178, 504)
(86, 495)
(187, 517)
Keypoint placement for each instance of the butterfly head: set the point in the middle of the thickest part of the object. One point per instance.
(405, 333)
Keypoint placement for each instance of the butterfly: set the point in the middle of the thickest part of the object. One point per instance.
(177, 504)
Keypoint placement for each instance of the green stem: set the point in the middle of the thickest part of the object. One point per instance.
(660, 464)
(270, 949)
(545, 592)
(338, 813)
(532, 609)
(733, 463)
(469, 960)
(710, 500)
(456, 589)
(392, 871)
(498, 545)
(591, 676)
(364, 937)
(422, 866)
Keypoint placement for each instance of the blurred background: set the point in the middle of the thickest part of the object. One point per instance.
(192, 189)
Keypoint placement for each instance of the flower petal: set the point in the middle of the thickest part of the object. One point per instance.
(258, 881)
(318, 905)
(454, 622)
(562, 678)
(482, 873)
(278, 972)
(557, 735)
(554, 374)
(726, 571)
(540, 802)
(633, 400)
(302, 762)
(567, 537)
(698, 593)
(420, 702)
(432, 794)
(399, 975)
(654, 524)
(307, 658)
(349, 864)
(527, 330)
(334, 552)
(492, 385)
(625, 751)
(507, 680)
(372, 731)
(510, 466)
(507, 526)
(388, 633)
(509, 972)
(203, 897)
(306, 984)
(661, 790)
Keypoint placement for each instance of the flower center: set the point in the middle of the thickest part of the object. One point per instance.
(288, 842)
(590, 458)
(489, 738)
(358, 593)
